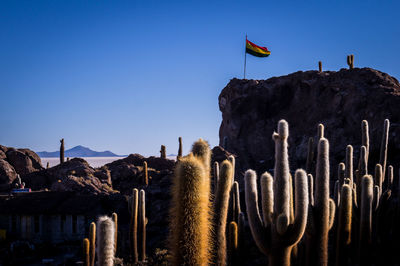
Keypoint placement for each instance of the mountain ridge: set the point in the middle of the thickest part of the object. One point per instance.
(78, 151)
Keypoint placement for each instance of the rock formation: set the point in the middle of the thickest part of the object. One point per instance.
(339, 100)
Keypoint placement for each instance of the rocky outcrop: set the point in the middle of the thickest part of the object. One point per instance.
(74, 175)
(16, 161)
(340, 100)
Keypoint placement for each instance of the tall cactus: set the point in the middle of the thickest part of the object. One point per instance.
(114, 218)
(180, 148)
(236, 202)
(321, 215)
(319, 66)
(216, 176)
(233, 242)
(133, 226)
(86, 248)
(365, 234)
(163, 152)
(105, 241)
(365, 137)
(142, 222)
(343, 239)
(277, 239)
(92, 240)
(221, 210)
(350, 61)
(349, 164)
(145, 174)
(61, 151)
(190, 211)
(384, 147)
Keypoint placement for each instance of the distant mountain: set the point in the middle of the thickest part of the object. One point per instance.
(78, 151)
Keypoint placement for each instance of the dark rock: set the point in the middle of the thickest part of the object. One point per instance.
(36, 161)
(2, 155)
(7, 173)
(21, 163)
(340, 100)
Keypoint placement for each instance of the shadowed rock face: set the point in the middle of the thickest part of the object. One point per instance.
(340, 100)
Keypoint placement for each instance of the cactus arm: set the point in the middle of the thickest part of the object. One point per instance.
(296, 230)
(349, 164)
(310, 189)
(257, 230)
(365, 136)
(201, 150)
(378, 178)
(281, 171)
(341, 173)
(332, 209)
(321, 131)
(221, 211)
(267, 198)
(142, 221)
(236, 198)
(389, 182)
(337, 193)
(216, 176)
(384, 147)
(375, 201)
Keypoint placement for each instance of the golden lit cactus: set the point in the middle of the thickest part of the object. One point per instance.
(86, 247)
(133, 226)
(276, 239)
(114, 218)
(221, 210)
(233, 242)
(142, 222)
(92, 240)
(190, 225)
(145, 174)
(322, 213)
(343, 239)
(201, 150)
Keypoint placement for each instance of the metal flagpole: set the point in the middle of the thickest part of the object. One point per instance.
(244, 73)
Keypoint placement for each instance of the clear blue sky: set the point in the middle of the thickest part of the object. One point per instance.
(128, 76)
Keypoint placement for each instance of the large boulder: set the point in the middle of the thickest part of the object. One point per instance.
(24, 161)
(340, 100)
(7, 173)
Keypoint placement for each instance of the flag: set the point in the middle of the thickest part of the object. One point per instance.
(256, 50)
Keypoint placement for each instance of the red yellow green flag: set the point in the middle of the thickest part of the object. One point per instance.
(256, 50)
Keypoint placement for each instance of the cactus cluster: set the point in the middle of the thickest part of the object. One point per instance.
(137, 225)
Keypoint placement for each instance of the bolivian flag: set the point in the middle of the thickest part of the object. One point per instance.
(256, 50)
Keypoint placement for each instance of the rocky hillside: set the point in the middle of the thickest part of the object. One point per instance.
(339, 100)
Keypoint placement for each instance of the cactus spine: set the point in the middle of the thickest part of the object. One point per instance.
(115, 220)
(92, 240)
(322, 213)
(277, 239)
(190, 211)
(350, 61)
(319, 66)
(146, 174)
(133, 207)
(86, 247)
(221, 210)
(343, 239)
(142, 225)
(62, 151)
(384, 147)
(105, 241)
(163, 152)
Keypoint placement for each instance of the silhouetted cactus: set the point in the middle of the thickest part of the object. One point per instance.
(389, 179)
(384, 147)
(86, 247)
(105, 241)
(180, 148)
(190, 211)
(365, 234)
(350, 61)
(47, 165)
(142, 222)
(92, 240)
(133, 226)
(343, 239)
(61, 151)
(163, 152)
(236, 202)
(319, 66)
(362, 171)
(114, 218)
(221, 210)
(277, 239)
(145, 174)
(378, 178)
(321, 215)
